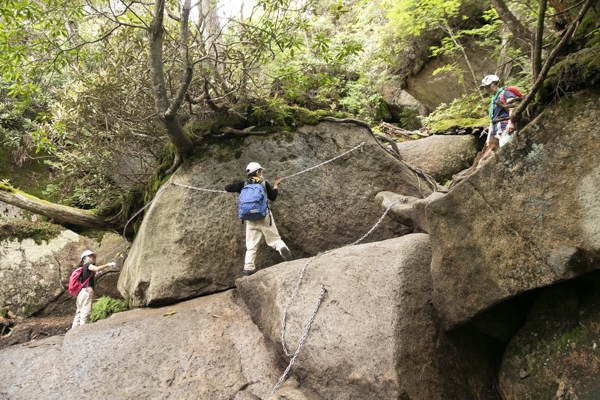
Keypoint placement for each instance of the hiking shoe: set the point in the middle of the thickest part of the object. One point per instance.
(286, 254)
(247, 272)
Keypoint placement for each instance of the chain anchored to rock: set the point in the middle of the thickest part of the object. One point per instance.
(402, 200)
(171, 183)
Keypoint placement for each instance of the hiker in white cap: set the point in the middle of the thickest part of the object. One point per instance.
(504, 98)
(88, 279)
(254, 211)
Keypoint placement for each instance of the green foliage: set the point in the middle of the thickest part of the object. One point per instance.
(410, 118)
(466, 111)
(105, 306)
(415, 16)
(31, 33)
(38, 231)
(362, 101)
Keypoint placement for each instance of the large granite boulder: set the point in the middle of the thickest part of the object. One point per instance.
(440, 156)
(447, 86)
(192, 243)
(374, 335)
(555, 355)
(526, 219)
(35, 275)
(10, 212)
(207, 348)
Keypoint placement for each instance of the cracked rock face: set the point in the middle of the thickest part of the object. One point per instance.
(374, 335)
(528, 218)
(192, 243)
(207, 348)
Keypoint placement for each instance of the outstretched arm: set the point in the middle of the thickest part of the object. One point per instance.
(97, 268)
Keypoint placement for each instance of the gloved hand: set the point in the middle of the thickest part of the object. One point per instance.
(112, 264)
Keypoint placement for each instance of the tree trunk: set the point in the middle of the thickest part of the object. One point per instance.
(522, 35)
(518, 112)
(536, 53)
(70, 215)
(165, 109)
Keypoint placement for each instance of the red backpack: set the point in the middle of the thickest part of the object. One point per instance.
(513, 90)
(75, 285)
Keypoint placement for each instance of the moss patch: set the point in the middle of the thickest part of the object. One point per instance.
(445, 124)
(577, 71)
(38, 231)
(588, 31)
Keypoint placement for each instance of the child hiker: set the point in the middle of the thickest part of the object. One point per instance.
(88, 279)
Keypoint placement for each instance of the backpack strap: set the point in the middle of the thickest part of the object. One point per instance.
(263, 183)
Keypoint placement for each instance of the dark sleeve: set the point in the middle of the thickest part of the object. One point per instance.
(235, 187)
(271, 193)
(85, 274)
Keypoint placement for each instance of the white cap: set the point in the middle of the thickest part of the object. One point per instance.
(87, 253)
(488, 80)
(253, 167)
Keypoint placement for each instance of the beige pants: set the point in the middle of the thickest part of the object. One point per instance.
(255, 230)
(84, 307)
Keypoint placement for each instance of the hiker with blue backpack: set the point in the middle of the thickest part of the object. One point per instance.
(503, 100)
(254, 211)
(82, 283)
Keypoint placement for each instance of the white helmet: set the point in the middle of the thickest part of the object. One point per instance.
(488, 80)
(253, 167)
(87, 253)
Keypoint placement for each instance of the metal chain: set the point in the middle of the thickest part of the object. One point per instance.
(360, 146)
(197, 188)
(403, 200)
(289, 303)
(302, 339)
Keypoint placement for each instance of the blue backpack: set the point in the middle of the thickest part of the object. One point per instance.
(252, 203)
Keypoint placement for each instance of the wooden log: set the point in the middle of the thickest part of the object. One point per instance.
(58, 212)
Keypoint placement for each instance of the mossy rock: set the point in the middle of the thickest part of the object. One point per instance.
(446, 124)
(38, 231)
(323, 113)
(577, 71)
(587, 34)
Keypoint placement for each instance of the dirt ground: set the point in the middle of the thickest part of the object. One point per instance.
(20, 330)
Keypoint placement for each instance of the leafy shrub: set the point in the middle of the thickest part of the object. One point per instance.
(465, 111)
(105, 306)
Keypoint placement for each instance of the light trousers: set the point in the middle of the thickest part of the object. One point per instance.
(255, 230)
(84, 307)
